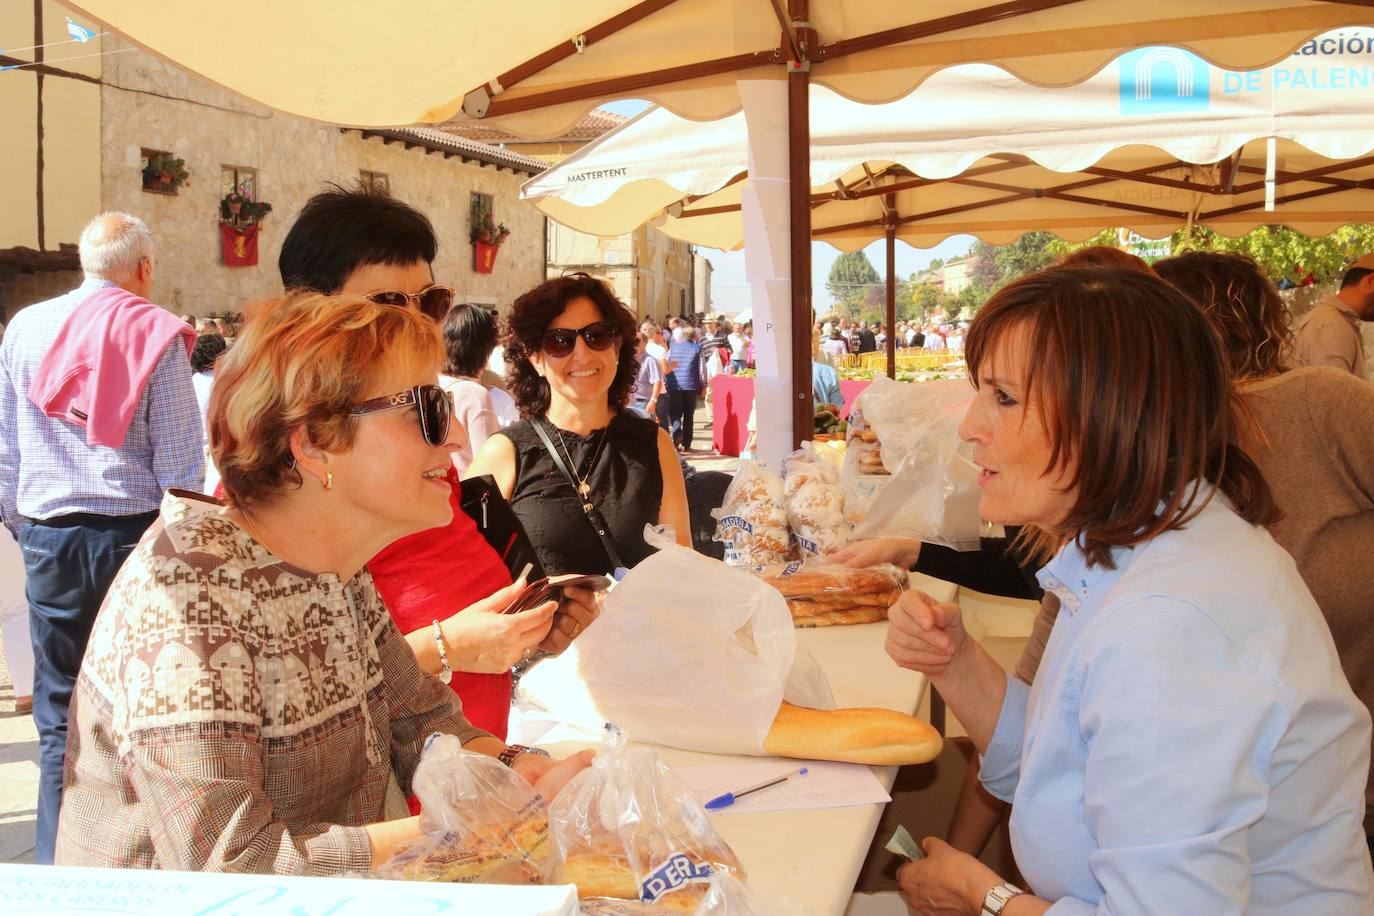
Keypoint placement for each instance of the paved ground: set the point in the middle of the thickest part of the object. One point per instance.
(18, 775)
(19, 740)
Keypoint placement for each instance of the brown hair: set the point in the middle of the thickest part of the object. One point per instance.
(1105, 256)
(1135, 397)
(533, 314)
(1244, 307)
(304, 362)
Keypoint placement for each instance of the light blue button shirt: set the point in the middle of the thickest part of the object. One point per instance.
(1190, 746)
(46, 467)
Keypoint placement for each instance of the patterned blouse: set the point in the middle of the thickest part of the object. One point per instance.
(236, 713)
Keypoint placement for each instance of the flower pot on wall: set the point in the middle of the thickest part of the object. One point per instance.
(484, 256)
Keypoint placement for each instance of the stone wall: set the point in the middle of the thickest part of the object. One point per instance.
(147, 103)
(19, 288)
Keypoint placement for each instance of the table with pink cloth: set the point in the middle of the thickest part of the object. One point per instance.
(732, 397)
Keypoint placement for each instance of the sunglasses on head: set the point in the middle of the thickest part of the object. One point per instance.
(559, 342)
(435, 408)
(433, 301)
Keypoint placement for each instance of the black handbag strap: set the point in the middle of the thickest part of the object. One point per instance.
(593, 516)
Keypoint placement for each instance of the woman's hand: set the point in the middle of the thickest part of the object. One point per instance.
(549, 776)
(946, 882)
(901, 552)
(482, 640)
(925, 635)
(579, 608)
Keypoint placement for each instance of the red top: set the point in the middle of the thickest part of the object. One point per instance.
(435, 573)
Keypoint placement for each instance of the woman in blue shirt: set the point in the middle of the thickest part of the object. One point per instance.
(1190, 744)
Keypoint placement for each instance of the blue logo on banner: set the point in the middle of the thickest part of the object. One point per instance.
(1154, 80)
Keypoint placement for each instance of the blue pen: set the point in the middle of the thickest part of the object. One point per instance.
(729, 798)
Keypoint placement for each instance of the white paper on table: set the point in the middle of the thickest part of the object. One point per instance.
(826, 785)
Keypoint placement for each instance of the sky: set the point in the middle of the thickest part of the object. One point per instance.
(730, 290)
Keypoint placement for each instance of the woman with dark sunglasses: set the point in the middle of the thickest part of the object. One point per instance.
(580, 463)
(380, 248)
(247, 698)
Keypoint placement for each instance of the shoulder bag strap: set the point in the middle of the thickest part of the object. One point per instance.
(593, 516)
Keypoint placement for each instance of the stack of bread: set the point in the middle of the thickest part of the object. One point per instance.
(868, 451)
(815, 503)
(826, 594)
(752, 519)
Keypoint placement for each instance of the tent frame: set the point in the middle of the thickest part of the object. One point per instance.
(798, 48)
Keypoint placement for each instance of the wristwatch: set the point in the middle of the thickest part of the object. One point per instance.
(998, 897)
(515, 750)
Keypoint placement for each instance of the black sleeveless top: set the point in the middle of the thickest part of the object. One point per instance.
(626, 487)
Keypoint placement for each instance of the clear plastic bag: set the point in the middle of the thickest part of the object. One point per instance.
(932, 494)
(482, 823)
(687, 652)
(815, 503)
(629, 829)
(826, 594)
(752, 519)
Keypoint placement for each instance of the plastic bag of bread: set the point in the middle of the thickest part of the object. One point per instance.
(752, 519)
(826, 594)
(933, 493)
(815, 503)
(687, 652)
(629, 830)
(482, 823)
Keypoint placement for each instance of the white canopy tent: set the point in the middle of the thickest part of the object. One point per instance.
(431, 61)
(1160, 139)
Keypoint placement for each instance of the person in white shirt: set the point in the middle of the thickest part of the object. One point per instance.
(656, 347)
(209, 347)
(739, 344)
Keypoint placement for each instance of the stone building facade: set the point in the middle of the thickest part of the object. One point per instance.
(145, 104)
(650, 272)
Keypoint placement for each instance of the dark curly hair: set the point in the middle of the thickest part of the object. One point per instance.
(1245, 308)
(208, 349)
(533, 314)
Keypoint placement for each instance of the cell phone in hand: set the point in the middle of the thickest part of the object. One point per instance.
(531, 596)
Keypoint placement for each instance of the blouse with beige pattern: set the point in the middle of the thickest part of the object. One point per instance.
(235, 713)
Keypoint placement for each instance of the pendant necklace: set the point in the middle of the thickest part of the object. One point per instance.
(584, 489)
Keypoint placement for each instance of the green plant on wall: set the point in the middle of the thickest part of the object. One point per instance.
(165, 173)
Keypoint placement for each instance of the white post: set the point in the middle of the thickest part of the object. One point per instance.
(767, 264)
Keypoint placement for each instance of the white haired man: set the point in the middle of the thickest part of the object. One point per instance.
(98, 418)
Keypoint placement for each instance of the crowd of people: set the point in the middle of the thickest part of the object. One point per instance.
(261, 571)
(842, 337)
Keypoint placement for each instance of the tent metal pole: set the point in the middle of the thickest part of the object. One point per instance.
(799, 205)
(890, 231)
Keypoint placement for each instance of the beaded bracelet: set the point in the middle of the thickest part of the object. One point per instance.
(445, 675)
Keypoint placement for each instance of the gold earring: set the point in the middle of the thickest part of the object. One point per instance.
(329, 480)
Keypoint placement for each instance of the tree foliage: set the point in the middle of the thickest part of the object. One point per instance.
(851, 277)
(1284, 254)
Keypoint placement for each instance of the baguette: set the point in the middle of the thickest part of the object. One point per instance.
(873, 736)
